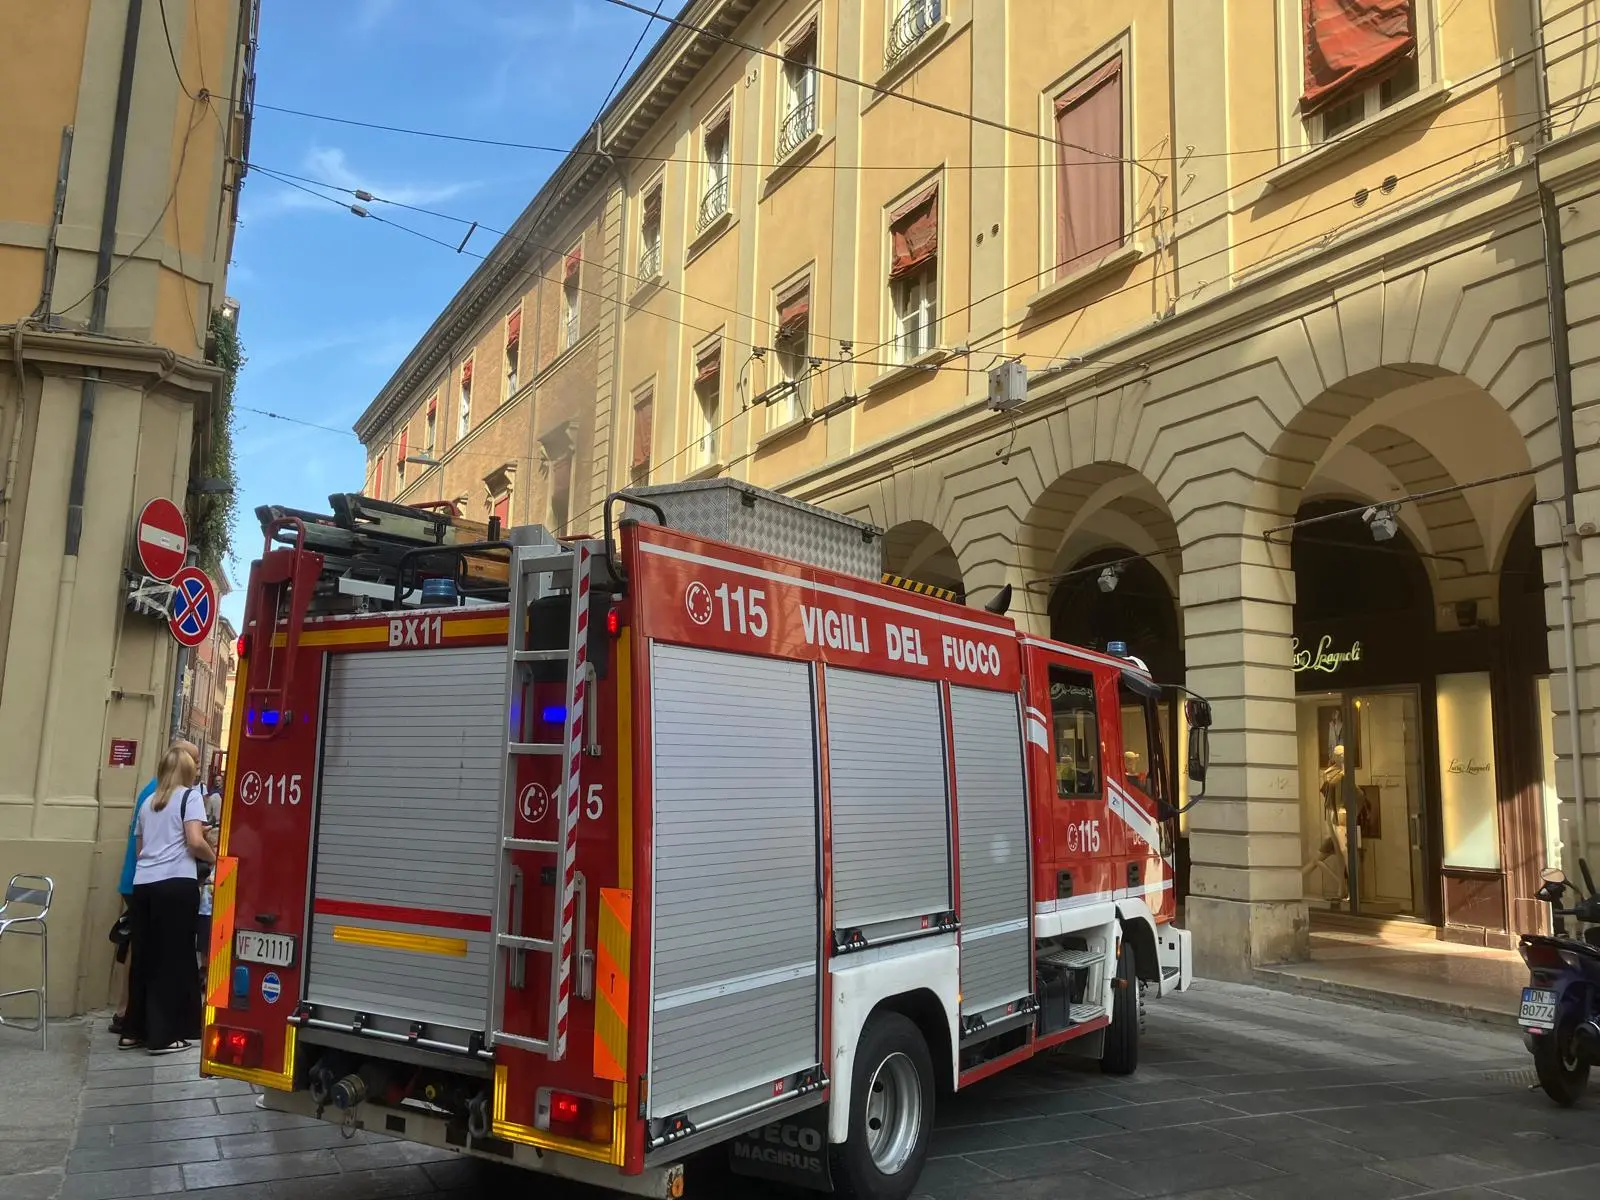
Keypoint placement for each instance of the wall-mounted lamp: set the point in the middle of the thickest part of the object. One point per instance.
(1382, 520)
(421, 460)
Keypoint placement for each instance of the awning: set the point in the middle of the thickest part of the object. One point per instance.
(914, 233)
(1348, 43)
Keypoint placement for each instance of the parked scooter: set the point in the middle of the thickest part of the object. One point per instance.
(1560, 1012)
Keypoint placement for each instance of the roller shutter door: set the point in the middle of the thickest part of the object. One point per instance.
(734, 959)
(408, 822)
(888, 798)
(992, 822)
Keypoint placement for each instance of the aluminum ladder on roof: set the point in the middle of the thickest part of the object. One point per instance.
(538, 571)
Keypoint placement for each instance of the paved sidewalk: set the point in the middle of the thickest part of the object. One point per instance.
(39, 1095)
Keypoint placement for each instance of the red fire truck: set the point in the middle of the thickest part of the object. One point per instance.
(591, 854)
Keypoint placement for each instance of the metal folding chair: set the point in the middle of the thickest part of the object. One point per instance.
(31, 892)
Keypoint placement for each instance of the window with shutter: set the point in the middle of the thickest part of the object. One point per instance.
(1360, 57)
(502, 510)
(569, 299)
(791, 347)
(797, 108)
(914, 274)
(705, 414)
(431, 424)
(400, 457)
(513, 351)
(650, 235)
(714, 200)
(464, 416)
(1090, 217)
(642, 434)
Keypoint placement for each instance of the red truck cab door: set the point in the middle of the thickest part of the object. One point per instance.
(1072, 731)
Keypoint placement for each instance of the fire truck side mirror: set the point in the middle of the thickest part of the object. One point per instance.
(1198, 713)
(1199, 754)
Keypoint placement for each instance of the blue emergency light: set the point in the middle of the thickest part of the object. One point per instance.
(1120, 649)
(555, 714)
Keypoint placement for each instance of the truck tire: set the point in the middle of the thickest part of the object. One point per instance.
(891, 1112)
(1121, 1054)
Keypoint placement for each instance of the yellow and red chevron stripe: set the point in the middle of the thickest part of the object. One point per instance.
(611, 984)
(223, 904)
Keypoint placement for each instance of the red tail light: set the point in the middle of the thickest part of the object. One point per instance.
(1542, 957)
(233, 1047)
(614, 622)
(242, 647)
(571, 1116)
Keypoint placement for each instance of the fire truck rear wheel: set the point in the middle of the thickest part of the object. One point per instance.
(1121, 1056)
(891, 1112)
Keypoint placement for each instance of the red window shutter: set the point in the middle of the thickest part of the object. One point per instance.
(574, 260)
(433, 404)
(794, 309)
(801, 40)
(1089, 182)
(1349, 43)
(502, 510)
(400, 458)
(718, 126)
(708, 363)
(514, 328)
(641, 433)
(914, 233)
(466, 373)
(652, 206)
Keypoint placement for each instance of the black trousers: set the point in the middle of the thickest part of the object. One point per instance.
(164, 987)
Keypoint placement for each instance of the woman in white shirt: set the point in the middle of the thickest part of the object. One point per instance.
(164, 991)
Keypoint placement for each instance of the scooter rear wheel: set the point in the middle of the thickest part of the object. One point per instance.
(1562, 1072)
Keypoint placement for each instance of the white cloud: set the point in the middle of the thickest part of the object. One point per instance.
(329, 165)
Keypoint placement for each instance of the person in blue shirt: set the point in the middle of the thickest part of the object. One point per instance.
(125, 886)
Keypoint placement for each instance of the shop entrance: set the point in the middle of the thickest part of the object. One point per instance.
(1364, 814)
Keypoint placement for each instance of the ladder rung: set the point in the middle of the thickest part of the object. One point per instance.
(537, 1045)
(537, 656)
(511, 941)
(532, 845)
(534, 748)
(545, 564)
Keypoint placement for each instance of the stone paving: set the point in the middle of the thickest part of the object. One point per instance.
(1243, 1094)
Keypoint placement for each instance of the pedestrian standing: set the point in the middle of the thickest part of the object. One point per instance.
(208, 883)
(129, 861)
(164, 992)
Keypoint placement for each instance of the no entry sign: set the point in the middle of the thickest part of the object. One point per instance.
(194, 606)
(163, 538)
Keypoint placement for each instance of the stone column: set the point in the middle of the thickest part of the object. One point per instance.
(1245, 903)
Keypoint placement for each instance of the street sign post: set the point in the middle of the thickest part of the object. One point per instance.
(163, 538)
(194, 606)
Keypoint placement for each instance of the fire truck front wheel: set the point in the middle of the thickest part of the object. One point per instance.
(1121, 1054)
(891, 1112)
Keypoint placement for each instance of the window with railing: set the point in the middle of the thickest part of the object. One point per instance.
(714, 200)
(650, 235)
(797, 109)
(914, 274)
(909, 24)
(705, 413)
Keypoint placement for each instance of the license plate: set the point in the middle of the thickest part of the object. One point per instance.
(272, 949)
(1538, 1009)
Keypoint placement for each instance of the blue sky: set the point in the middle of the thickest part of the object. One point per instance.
(329, 303)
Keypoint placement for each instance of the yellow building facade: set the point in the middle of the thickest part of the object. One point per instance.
(1297, 291)
(117, 207)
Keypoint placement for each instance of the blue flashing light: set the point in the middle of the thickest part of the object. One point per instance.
(269, 716)
(555, 714)
(1120, 649)
(241, 982)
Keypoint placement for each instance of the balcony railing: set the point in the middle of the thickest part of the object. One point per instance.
(714, 203)
(650, 262)
(910, 26)
(800, 124)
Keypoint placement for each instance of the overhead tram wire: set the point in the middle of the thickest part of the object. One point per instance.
(293, 180)
(1497, 68)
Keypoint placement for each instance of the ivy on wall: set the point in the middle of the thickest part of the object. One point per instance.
(212, 515)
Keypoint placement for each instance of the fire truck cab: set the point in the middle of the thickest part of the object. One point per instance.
(592, 854)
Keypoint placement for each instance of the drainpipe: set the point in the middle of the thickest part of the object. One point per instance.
(67, 585)
(1561, 363)
(617, 438)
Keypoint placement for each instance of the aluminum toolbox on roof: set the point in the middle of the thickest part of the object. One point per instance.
(727, 510)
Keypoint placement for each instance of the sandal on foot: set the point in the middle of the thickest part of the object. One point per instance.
(116, 1023)
(177, 1047)
(129, 1043)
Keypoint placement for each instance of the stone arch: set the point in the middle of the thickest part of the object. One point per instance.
(917, 550)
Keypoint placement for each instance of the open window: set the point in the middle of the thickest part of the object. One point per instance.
(1075, 730)
(464, 415)
(1360, 57)
(569, 299)
(650, 235)
(717, 144)
(513, 351)
(914, 274)
(791, 348)
(797, 99)
(706, 413)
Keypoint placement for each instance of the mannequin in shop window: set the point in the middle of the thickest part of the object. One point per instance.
(1334, 839)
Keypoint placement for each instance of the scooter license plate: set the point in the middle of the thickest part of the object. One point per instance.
(1538, 1009)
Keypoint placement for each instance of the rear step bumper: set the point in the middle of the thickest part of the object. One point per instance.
(662, 1182)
